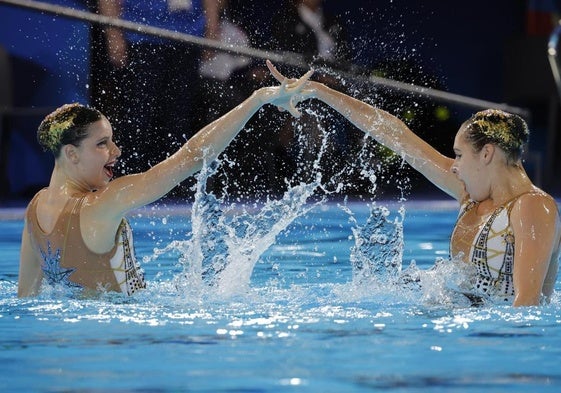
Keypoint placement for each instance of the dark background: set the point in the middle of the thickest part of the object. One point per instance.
(481, 49)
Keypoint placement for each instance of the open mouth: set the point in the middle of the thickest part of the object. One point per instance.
(109, 170)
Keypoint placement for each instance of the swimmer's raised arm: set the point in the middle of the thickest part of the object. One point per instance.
(387, 130)
(132, 191)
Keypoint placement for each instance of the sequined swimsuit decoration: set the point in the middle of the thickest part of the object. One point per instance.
(492, 252)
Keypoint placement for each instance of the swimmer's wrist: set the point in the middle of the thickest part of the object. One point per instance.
(259, 97)
(317, 89)
(264, 95)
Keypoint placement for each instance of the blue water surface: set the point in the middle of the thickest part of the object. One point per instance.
(301, 322)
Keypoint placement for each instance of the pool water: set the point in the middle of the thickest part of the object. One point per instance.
(288, 313)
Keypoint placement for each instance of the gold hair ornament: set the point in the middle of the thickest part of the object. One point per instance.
(499, 131)
(60, 120)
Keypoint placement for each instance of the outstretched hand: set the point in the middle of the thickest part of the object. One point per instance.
(287, 95)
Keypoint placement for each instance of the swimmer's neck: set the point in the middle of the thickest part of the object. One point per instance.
(507, 186)
(63, 184)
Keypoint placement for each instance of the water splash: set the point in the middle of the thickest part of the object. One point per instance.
(227, 241)
(249, 236)
(377, 266)
(444, 284)
(378, 250)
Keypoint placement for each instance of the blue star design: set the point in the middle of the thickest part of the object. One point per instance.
(53, 272)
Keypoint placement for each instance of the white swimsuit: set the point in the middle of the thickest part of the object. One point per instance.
(492, 253)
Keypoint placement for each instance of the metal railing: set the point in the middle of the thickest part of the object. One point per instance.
(287, 58)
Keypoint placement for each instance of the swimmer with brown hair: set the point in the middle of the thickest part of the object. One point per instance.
(75, 232)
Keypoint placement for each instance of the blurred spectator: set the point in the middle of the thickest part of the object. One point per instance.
(222, 72)
(305, 28)
(158, 76)
(46, 65)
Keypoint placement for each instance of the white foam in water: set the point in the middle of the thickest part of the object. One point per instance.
(378, 249)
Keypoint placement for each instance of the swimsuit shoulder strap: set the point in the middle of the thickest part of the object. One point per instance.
(466, 206)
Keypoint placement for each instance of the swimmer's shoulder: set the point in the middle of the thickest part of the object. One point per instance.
(46, 208)
(536, 208)
(537, 199)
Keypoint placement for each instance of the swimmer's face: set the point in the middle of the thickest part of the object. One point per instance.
(96, 155)
(468, 167)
